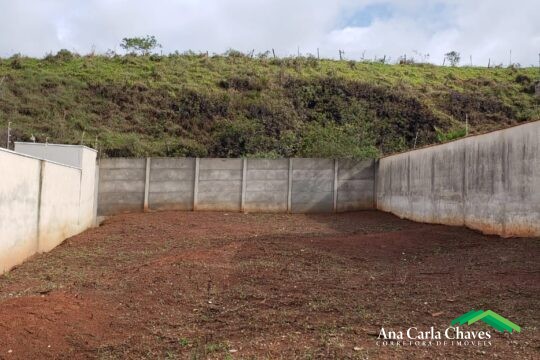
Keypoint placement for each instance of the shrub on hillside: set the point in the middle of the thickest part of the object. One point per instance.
(239, 138)
(334, 141)
(62, 55)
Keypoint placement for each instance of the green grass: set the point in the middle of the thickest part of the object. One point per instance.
(191, 105)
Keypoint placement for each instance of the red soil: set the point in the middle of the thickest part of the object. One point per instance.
(217, 285)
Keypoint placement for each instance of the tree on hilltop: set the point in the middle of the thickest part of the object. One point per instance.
(140, 45)
(453, 57)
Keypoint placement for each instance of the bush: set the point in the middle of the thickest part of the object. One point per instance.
(124, 145)
(523, 79)
(239, 138)
(16, 62)
(450, 135)
(232, 53)
(62, 55)
(185, 148)
(333, 141)
(244, 83)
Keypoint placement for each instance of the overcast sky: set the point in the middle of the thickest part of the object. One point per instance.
(481, 28)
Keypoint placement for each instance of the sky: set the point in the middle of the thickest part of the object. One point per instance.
(499, 31)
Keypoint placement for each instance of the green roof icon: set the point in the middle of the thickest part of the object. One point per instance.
(489, 317)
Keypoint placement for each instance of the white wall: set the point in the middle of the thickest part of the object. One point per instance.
(19, 198)
(42, 203)
(59, 211)
(88, 189)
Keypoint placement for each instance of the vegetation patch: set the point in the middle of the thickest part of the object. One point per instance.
(233, 105)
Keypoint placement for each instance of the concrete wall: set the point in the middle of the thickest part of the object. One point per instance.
(42, 203)
(121, 185)
(88, 203)
(251, 185)
(356, 185)
(219, 184)
(488, 182)
(171, 183)
(71, 155)
(312, 185)
(59, 205)
(19, 199)
(267, 187)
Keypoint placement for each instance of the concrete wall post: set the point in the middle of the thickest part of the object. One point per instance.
(336, 169)
(196, 185)
(96, 197)
(375, 180)
(289, 187)
(39, 197)
(147, 184)
(244, 185)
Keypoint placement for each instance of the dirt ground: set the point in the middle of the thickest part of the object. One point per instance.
(234, 286)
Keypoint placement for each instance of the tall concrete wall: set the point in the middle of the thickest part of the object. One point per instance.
(19, 204)
(59, 205)
(356, 185)
(267, 187)
(488, 182)
(121, 185)
(88, 203)
(171, 183)
(42, 203)
(312, 185)
(219, 184)
(251, 185)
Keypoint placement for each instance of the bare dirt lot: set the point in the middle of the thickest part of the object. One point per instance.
(229, 285)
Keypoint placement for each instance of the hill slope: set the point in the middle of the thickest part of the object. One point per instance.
(190, 105)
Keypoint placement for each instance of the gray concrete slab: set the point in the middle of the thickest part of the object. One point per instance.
(488, 182)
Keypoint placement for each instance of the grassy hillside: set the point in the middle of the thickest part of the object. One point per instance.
(191, 105)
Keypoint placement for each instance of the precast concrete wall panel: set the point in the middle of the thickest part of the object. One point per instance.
(312, 185)
(355, 185)
(121, 185)
(220, 185)
(267, 183)
(171, 183)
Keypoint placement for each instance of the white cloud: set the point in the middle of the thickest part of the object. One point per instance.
(481, 28)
